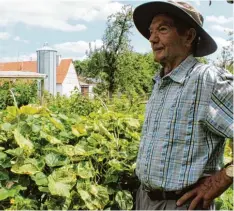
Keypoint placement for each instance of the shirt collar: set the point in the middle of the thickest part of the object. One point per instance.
(179, 73)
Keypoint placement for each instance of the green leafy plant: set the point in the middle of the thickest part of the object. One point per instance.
(52, 161)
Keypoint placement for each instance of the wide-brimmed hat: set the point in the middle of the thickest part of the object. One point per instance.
(144, 14)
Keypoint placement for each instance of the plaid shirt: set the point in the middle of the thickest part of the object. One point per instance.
(188, 117)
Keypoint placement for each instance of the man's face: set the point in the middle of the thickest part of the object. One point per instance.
(166, 43)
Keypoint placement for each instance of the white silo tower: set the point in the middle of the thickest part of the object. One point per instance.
(46, 63)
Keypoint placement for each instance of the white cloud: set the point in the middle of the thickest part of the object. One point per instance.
(219, 19)
(79, 58)
(198, 3)
(17, 38)
(76, 47)
(221, 28)
(4, 36)
(20, 58)
(220, 41)
(63, 15)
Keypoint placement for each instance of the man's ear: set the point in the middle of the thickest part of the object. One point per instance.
(191, 34)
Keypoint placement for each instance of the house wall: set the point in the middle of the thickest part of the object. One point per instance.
(91, 95)
(59, 89)
(70, 81)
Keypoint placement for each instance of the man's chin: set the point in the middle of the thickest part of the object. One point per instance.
(159, 59)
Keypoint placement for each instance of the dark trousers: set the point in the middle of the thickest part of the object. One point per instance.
(144, 202)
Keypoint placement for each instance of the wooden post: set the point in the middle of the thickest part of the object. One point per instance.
(42, 92)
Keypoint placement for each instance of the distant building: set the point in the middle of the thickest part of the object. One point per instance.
(66, 76)
(86, 87)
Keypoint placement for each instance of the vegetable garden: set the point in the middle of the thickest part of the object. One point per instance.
(72, 154)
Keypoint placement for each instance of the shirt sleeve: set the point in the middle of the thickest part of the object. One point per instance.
(219, 117)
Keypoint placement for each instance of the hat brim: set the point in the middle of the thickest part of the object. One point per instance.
(144, 14)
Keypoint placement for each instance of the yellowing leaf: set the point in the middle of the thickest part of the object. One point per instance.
(23, 143)
(6, 193)
(85, 169)
(124, 200)
(79, 130)
(29, 110)
(49, 138)
(40, 179)
(24, 169)
(57, 123)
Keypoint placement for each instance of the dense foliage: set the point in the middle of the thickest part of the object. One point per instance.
(51, 161)
(24, 91)
(76, 104)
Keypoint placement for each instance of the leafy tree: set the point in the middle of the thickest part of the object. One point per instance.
(139, 70)
(81, 67)
(104, 61)
(225, 60)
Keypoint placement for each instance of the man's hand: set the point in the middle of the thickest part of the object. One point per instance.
(206, 190)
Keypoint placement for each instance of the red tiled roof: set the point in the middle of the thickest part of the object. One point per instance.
(31, 66)
(62, 70)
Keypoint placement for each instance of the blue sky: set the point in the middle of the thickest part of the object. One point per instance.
(69, 25)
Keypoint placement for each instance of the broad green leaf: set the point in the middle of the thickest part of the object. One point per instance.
(3, 156)
(59, 188)
(67, 150)
(40, 179)
(111, 177)
(17, 152)
(6, 126)
(38, 163)
(85, 169)
(23, 143)
(96, 197)
(24, 169)
(28, 166)
(36, 128)
(12, 112)
(117, 165)
(124, 200)
(134, 123)
(104, 131)
(53, 159)
(79, 130)
(62, 116)
(57, 123)
(79, 150)
(43, 189)
(5, 161)
(6, 193)
(49, 138)
(61, 182)
(3, 174)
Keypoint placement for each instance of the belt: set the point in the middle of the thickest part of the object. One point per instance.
(158, 194)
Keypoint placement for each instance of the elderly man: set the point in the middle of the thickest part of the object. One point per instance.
(188, 115)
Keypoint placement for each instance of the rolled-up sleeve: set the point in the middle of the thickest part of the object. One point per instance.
(219, 117)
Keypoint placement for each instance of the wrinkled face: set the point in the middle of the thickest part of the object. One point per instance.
(166, 43)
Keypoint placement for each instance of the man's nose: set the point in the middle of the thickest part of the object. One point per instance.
(154, 37)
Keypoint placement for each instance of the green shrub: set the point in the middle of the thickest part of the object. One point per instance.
(25, 92)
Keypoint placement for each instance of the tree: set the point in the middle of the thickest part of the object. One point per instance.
(225, 59)
(104, 61)
(138, 70)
